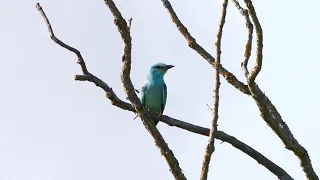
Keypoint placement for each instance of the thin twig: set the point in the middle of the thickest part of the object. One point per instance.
(55, 39)
(209, 107)
(207, 56)
(210, 147)
(272, 167)
(129, 89)
(130, 21)
(248, 47)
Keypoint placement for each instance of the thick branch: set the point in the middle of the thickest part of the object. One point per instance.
(268, 111)
(210, 147)
(272, 167)
(129, 89)
(272, 117)
(208, 57)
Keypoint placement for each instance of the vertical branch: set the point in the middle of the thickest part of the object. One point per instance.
(129, 89)
(259, 33)
(248, 49)
(210, 147)
(269, 113)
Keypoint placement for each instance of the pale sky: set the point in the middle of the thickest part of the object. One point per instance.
(54, 128)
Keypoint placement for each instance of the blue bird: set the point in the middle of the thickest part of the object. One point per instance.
(154, 90)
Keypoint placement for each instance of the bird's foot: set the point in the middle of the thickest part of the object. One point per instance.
(160, 116)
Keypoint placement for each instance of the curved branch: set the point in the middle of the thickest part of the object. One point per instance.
(129, 89)
(124, 30)
(56, 40)
(210, 147)
(269, 113)
(272, 167)
(208, 57)
(259, 33)
(271, 116)
(248, 49)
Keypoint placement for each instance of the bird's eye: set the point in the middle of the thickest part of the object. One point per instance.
(159, 67)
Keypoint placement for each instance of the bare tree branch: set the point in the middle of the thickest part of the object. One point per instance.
(272, 167)
(268, 111)
(130, 22)
(248, 48)
(272, 117)
(210, 147)
(87, 76)
(210, 59)
(299, 150)
(53, 37)
(259, 34)
(129, 89)
(124, 30)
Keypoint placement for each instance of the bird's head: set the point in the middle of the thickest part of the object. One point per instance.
(159, 69)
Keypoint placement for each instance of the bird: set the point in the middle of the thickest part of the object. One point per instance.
(154, 89)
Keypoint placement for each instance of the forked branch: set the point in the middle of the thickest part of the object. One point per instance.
(124, 30)
(207, 56)
(269, 113)
(87, 76)
(268, 110)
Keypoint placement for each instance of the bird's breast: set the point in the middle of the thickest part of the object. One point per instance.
(153, 97)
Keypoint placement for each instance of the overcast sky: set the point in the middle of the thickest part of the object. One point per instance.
(54, 128)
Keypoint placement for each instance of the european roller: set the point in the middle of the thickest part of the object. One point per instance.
(154, 90)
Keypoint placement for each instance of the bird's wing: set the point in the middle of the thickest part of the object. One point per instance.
(164, 98)
(143, 90)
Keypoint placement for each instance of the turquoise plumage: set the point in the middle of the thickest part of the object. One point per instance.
(154, 90)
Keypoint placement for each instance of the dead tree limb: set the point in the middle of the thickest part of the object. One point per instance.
(124, 31)
(192, 43)
(116, 101)
(268, 111)
(210, 147)
(125, 76)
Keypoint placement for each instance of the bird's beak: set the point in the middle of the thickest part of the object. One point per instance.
(169, 66)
